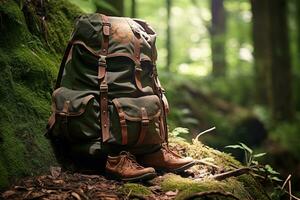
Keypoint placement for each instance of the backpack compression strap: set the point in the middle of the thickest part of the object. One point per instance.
(62, 64)
(102, 79)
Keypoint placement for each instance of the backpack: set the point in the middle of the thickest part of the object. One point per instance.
(108, 96)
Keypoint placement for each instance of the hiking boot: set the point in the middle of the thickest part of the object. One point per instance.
(125, 167)
(166, 160)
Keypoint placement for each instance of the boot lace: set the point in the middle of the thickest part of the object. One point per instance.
(130, 160)
(170, 152)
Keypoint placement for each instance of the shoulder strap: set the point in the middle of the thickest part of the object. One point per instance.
(62, 65)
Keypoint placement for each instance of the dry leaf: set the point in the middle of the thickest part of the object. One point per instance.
(7, 194)
(74, 194)
(172, 193)
(55, 171)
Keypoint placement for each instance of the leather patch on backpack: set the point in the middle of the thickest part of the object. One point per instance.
(121, 32)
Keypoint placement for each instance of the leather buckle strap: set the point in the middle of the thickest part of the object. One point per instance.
(106, 32)
(122, 121)
(104, 113)
(144, 126)
(106, 25)
(103, 103)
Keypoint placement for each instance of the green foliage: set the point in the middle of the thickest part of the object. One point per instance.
(287, 135)
(179, 133)
(90, 6)
(250, 161)
(248, 152)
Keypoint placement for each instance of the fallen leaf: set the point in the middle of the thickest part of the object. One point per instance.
(55, 171)
(58, 181)
(74, 194)
(7, 194)
(172, 193)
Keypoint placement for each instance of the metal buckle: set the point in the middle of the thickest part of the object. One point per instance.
(104, 87)
(145, 122)
(102, 61)
(106, 24)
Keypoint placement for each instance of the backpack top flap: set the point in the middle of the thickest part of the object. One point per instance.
(123, 35)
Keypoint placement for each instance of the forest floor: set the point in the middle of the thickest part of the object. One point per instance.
(216, 175)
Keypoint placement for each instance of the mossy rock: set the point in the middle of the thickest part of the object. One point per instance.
(239, 188)
(244, 187)
(29, 61)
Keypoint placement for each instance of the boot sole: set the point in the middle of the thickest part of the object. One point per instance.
(177, 170)
(143, 177)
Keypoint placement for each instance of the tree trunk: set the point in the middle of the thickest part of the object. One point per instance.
(218, 38)
(281, 72)
(168, 36)
(272, 57)
(110, 7)
(298, 27)
(133, 8)
(262, 50)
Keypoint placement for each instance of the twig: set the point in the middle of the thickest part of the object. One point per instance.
(208, 130)
(202, 161)
(203, 194)
(290, 190)
(286, 180)
(293, 196)
(235, 172)
(128, 195)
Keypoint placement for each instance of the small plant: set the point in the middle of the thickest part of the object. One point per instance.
(263, 171)
(248, 152)
(178, 132)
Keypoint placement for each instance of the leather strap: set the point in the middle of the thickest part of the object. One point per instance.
(165, 106)
(122, 122)
(144, 126)
(138, 69)
(102, 80)
(137, 55)
(106, 32)
(62, 64)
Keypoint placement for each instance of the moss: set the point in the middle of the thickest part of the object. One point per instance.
(29, 64)
(199, 151)
(32, 68)
(60, 20)
(13, 26)
(4, 176)
(172, 182)
(133, 189)
(252, 185)
(187, 187)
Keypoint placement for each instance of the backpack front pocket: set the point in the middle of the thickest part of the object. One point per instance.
(75, 116)
(136, 121)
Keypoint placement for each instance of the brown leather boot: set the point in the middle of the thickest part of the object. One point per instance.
(166, 160)
(125, 167)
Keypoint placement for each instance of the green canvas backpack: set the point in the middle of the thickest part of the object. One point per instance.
(107, 94)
